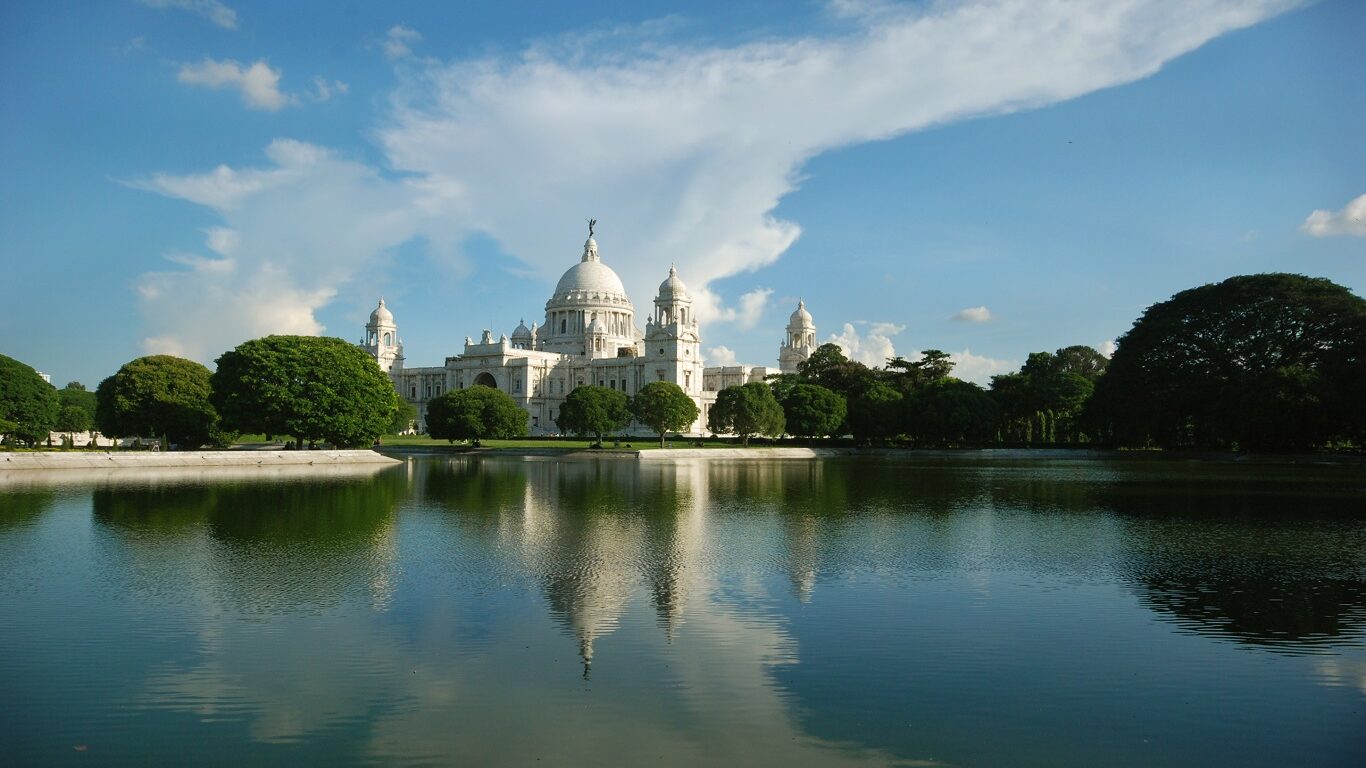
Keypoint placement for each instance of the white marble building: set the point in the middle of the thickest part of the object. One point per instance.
(589, 336)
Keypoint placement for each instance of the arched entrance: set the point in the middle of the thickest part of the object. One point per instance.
(485, 379)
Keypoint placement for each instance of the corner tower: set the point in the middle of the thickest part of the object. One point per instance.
(800, 341)
(381, 339)
(673, 346)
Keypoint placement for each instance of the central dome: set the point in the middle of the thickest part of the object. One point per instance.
(589, 280)
(590, 277)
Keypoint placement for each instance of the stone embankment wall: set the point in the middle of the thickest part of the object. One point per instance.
(730, 454)
(132, 459)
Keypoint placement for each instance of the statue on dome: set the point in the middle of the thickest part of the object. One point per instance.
(591, 223)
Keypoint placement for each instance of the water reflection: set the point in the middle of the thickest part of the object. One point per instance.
(481, 609)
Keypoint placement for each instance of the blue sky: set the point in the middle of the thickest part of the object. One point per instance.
(987, 178)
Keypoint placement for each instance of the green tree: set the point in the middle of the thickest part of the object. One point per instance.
(909, 375)
(158, 395)
(310, 387)
(828, 367)
(594, 410)
(747, 410)
(875, 414)
(951, 412)
(664, 407)
(811, 410)
(72, 419)
(74, 394)
(475, 414)
(404, 418)
(1082, 360)
(28, 405)
(1262, 362)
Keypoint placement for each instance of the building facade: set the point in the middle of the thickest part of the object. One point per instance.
(589, 336)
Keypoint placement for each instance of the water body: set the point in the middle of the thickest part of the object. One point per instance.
(957, 610)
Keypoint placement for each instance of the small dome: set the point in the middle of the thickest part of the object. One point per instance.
(673, 287)
(381, 315)
(801, 318)
(522, 332)
(597, 326)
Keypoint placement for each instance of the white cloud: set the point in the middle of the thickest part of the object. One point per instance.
(972, 315)
(212, 10)
(222, 240)
(398, 41)
(258, 83)
(224, 188)
(323, 90)
(979, 369)
(1107, 348)
(685, 151)
(721, 355)
(745, 316)
(872, 349)
(1351, 220)
(293, 233)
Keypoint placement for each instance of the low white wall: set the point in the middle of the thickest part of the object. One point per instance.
(730, 454)
(106, 460)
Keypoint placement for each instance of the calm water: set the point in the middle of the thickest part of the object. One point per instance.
(1000, 609)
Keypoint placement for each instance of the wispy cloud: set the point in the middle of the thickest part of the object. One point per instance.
(258, 83)
(972, 315)
(292, 232)
(325, 90)
(216, 12)
(1350, 220)
(683, 151)
(399, 41)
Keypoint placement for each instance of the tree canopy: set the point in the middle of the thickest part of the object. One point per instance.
(876, 414)
(950, 412)
(828, 367)
(28, 405)
(664, 407)
(1044, 401)
(161, 396)
(1271, 361)
(74, 395)
(404, 418)
(475, 414)
(309, 387)
(747, 410)
(594, 410)
(811, 410)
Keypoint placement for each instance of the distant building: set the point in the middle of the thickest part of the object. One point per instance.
(589, 336)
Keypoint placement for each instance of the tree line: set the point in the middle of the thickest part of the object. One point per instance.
(1256, 362)
(306, 388)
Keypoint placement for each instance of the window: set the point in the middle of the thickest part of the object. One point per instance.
(535, 421)
(564, 324)
(388, 339)
(614, 383)
(414, 397)
(517, 384)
